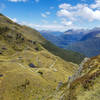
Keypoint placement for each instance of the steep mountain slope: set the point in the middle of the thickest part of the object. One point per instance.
(89, 45)
(87, 85)
(91, 34)
(83, 85)
(52, 37)
(71, 36)
(28, 71)
(69, 56)
(34, 36)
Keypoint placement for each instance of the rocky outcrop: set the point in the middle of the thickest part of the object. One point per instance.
(78, 73)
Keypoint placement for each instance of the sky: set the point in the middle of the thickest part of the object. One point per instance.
(57, 15)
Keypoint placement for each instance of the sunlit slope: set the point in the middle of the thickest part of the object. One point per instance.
(87, 87)
(20, 80)
(28, 71)
(33, 36)
(83, 85)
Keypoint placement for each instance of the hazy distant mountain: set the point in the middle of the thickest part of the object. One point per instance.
(71, 36)
(62, 39)
(80, 40)
(54, 33)
(76, 31)
(52, 36)
(89, 44)
(91, 34)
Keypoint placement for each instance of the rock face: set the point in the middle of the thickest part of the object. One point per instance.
(32, 65)
(85, 82)
(74, 76)
(78, 73)
(60, 84)
(1, 75)
(0, 52)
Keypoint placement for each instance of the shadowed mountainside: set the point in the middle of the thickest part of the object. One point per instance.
(89, 45)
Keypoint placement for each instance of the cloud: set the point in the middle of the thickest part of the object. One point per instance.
(69, 11)
(65, 6)
(96, 5)
(14, 19)
(65, 13)
(79, 11)
(69, 7)
(89, 14)
(66, 23)
(46, 14)
(46, 26)
(54, 27)
(52, 7)
(55, 22)
(17, 0)
(44, 21)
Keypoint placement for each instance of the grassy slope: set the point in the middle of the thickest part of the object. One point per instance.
(18, 81)
(84, 87)
(32, 34)
(88, 85)
(64, 54)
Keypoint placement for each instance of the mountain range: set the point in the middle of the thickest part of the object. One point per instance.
(84, 41)
(89, 45)
(62, 39)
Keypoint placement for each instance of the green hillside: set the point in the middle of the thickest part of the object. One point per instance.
(84, 84)
(67, 55)
(33, 35)
(28, 71)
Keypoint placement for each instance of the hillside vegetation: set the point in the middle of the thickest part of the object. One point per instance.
(84, 84)
(28, 71)
(33, 36)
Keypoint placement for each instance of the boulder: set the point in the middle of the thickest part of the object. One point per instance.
(32, 65)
